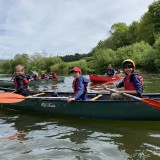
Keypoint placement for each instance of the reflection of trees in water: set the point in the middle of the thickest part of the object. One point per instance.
(135, 140)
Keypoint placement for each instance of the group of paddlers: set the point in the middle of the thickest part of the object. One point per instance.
(44, 75)
(132, 82)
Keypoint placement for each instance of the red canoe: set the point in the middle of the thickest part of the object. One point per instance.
(101, 79)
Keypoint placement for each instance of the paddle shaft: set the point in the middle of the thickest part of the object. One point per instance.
(93, 99)
(148, 101)
(7, 89)
(30, 97)
(125, 94)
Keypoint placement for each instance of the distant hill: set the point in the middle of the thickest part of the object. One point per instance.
(75, 57)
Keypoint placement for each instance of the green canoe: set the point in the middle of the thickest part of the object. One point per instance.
(101, 108)
(10, 83)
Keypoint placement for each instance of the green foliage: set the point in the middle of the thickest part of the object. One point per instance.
(119, 34)
(6, 67)
(136, 52)
(75, 57)
(154, 12)
(60, 68)
(145, 29)
(103, 57)
(22, 59)
(133, 32)
(156, 55)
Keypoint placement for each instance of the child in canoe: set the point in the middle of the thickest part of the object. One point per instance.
(132, 83)
(110, 72)
(79, 85)
(21, 81)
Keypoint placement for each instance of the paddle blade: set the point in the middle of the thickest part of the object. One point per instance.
(151, 102)
(11, 98)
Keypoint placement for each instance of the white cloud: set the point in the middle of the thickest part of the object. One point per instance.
(61, 26)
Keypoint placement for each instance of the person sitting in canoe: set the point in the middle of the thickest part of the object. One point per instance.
(44, 75)
(132, 83)
(34, 75)
(110, 72)
(54, 76)
(21, 81)
(79, 85)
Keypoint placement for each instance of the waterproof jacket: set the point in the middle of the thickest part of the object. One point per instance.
(80, 88)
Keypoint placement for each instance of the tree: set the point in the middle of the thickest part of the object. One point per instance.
(154, 12)
(145, 29)
(119, 34)
(133, 32)
(22, 59)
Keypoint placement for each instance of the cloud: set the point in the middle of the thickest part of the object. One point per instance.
(59, 26)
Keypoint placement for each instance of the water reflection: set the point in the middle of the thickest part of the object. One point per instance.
(69, 138)
(24, 136)
(151, 83)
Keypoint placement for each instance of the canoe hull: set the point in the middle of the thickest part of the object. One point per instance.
(100, 109)
(102, 79)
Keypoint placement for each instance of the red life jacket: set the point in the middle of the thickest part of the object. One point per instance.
(128, 84)
(75, 85)
(25, 82)
(43, 76)
(54, 77)
(35, 77)
(15, 84)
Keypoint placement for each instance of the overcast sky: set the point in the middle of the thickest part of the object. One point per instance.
(61, 27)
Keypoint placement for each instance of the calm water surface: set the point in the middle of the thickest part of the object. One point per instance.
(35, 137)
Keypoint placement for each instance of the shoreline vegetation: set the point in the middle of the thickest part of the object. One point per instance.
(139, 41)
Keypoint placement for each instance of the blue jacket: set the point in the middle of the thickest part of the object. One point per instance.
(80, 88)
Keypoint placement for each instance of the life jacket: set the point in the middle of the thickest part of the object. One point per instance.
(54, 76)
(35, 77)
(110, 71)
(128, 84)
(75, 85)
(43, 76)
(24, 80)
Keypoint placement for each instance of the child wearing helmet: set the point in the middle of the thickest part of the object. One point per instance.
(132, 83)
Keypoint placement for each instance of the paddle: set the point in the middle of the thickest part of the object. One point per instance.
(15, 98)
(93, 99)
(7, 89)
(151, 102)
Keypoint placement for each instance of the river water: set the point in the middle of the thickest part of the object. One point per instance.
(37, 137)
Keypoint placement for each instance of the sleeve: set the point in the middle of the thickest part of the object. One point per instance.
(137, 85)
(120, 84)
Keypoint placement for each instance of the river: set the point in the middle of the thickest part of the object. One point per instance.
(31, 137)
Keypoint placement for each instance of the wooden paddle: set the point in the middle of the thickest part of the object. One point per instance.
(148, 101)
(15, 98)
(95, 98)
